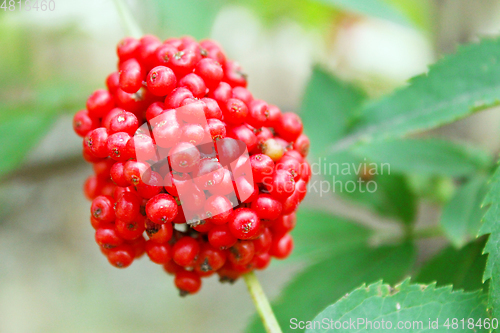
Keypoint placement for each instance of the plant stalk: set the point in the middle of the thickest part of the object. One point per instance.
(261, 303)
(128, 20)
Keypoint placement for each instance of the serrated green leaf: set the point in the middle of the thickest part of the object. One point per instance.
(319, 234)
(426, 156)
(411, 303)
(376, 8)
(491, 226)
(314, 288)
(455, 87)
(327, 107)
(462, 268)
(461, 217)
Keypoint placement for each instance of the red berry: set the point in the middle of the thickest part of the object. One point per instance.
(217, 129)
(99, 103)
(161, 81)
(262, 167)
(192, 110)
(221, 94)
(245, 223)
(131, 76)
(209, 173)
(97, 142)
(117, 174)
(117, 146)
(282, 246)
(234, 75)
(258, 113)
(210, 259)
(135, 171)
(284, 224)
(103, 167)
(113, 82)
(195, 84)
(102, 208)
(218, 209)
(244, 134)
(141, 147)
(235, 111)
(154, 110)
(281, 185)
(159, 233)
(83, 123)
(210, 71)
(176, 97)
(121, 256)
(261, 261)
(107, 236)
(192, 133)
(242, 94)
(130, 230)
(127, 48)
(93, 186)
(162, 208)
(262, 244)
(267, 207)
(125, 122)
(241, 253)
(128, 206)
(221, 237)
(289, 126)
(212, 109)
(291, 165)
(159, 253)
(185, 251)
(187, 282)
(183, 62)
(150, 185)
(184, 157)
(302, 145)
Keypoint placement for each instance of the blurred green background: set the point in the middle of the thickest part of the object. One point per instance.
(52, 275)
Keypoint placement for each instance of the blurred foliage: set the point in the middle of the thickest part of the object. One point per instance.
(33, 92)
(461, 217)
(463, 268)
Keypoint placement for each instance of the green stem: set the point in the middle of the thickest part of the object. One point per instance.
(429, 232)
(261, 303)
(128, 20)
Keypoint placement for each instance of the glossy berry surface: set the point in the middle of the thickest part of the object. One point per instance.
(191, 171)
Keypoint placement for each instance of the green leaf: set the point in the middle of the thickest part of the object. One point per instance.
(314, 288)
(463, 268)
(455, 87)
(188, 17)
(427, 156)
(327, 106)
(411, 303)
(18, 133)
(371, 185)
(376, 8)
(461, 217)
(491, 226)
(319, 234)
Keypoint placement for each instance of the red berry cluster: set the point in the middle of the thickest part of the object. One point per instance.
(196, 102)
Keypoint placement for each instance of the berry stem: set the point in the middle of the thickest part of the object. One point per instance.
(128, 21)
(261, 303)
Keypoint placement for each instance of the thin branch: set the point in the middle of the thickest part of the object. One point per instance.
(261, 303)
(128, 20)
